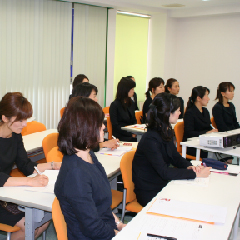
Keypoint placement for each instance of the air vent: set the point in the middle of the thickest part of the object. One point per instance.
(173, 5)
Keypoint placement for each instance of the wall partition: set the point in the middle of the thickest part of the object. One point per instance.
(35, 47)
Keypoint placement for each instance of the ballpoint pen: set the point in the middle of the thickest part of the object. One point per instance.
(40, 173)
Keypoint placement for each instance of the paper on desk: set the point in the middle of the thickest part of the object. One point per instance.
(230, 169)
(52, 177)
(170, 227)
(189, 210)
(138, 126)
(116, 152)
(202, 182)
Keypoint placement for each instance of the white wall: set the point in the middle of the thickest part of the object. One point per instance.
(207, 52)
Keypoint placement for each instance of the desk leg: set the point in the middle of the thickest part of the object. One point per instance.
(198, 154)
(235, 226)
(184, 151)
(139, 136)
(34, 218)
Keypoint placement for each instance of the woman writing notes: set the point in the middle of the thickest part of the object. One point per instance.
(156, 151)
(122, 110)
(14, 111)
(82, 186)
(224, 112)
(155, 86)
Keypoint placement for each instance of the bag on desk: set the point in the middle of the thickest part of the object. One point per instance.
(10, 207)
(209, 162)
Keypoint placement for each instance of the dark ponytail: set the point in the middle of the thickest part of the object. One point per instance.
(196, 92)
(170, 81)
(153, 84)
(223, 87)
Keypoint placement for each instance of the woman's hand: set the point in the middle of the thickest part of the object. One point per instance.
(38, 181)
(213, 130)
(116, 231)
(113, 144)
(134, 135)
(120, 226)
(57, 165)
(195, 169)
(205, 172)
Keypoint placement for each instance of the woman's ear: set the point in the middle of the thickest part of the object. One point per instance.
(198, 99)
(5, 119)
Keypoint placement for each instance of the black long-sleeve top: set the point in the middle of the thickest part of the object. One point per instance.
(181, 107)
(121, 117)
(225, 117)
(145, 108)
(196, 123)
(150, 167)
(12, 151)
(85, 198)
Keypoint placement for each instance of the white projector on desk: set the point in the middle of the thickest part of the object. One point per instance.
(220, 139)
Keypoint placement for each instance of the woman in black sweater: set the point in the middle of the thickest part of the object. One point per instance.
(197, 118)
(82, 186)
(173, 87)
(122, 110)
(224, 112)
(155, 86)
(156, 151)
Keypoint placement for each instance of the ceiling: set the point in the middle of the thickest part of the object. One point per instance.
(153, 6)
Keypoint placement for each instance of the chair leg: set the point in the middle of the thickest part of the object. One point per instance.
(124, 203)
(44, 235)
(8, 236)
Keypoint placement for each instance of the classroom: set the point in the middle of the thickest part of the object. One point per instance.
(45, 44)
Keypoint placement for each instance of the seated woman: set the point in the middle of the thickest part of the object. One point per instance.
(155, 86)
(80, 78)
(14, 111)
(88, 90)
(172, 87)
(156, 151)
(197, 118)
(82, 186)
(224, 112)
(122, 110)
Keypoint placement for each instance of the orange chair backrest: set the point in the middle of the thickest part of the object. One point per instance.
(33, 127)
(126, 169)
(109, 128)
(49, 142)
(7, 228)
(54, 155)
(179, 130)
(59, 221)
(138, 116)
(61, 111)
(106, 110)
(213, 122)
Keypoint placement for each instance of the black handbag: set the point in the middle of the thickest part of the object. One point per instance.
(10, 207)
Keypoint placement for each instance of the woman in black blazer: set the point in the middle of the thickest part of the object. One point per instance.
(122, 110)
(156, 151)
(224, 112)
(155, 86)
(173, 87)
(197, 118)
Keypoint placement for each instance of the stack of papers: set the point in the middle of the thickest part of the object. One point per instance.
(116, 152)
(139, 127)
(188, 210)
(201, 182)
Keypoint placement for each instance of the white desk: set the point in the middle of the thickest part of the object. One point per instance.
(140, 129)
(194, 142)
(222, 191)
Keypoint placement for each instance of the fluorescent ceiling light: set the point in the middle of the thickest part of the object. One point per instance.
(134, 14)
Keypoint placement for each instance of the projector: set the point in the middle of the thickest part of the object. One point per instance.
(220, 139)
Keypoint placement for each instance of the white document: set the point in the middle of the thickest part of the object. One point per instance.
(190, 210)
(201, 182)
(169, 227)
(230, 169)
(116, 152)
(52, 177)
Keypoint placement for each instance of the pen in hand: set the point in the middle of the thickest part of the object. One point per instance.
(40, 173)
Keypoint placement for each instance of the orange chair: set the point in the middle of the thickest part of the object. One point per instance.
(8, 229)
(54, 155)
(49, 142)
(59, 221)
(179, 129)
(61, 111)
(109, 128)
(213, 122)
(33, 127)
(117, 198)
(105, 110)
(129, 197)
(138, 116)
